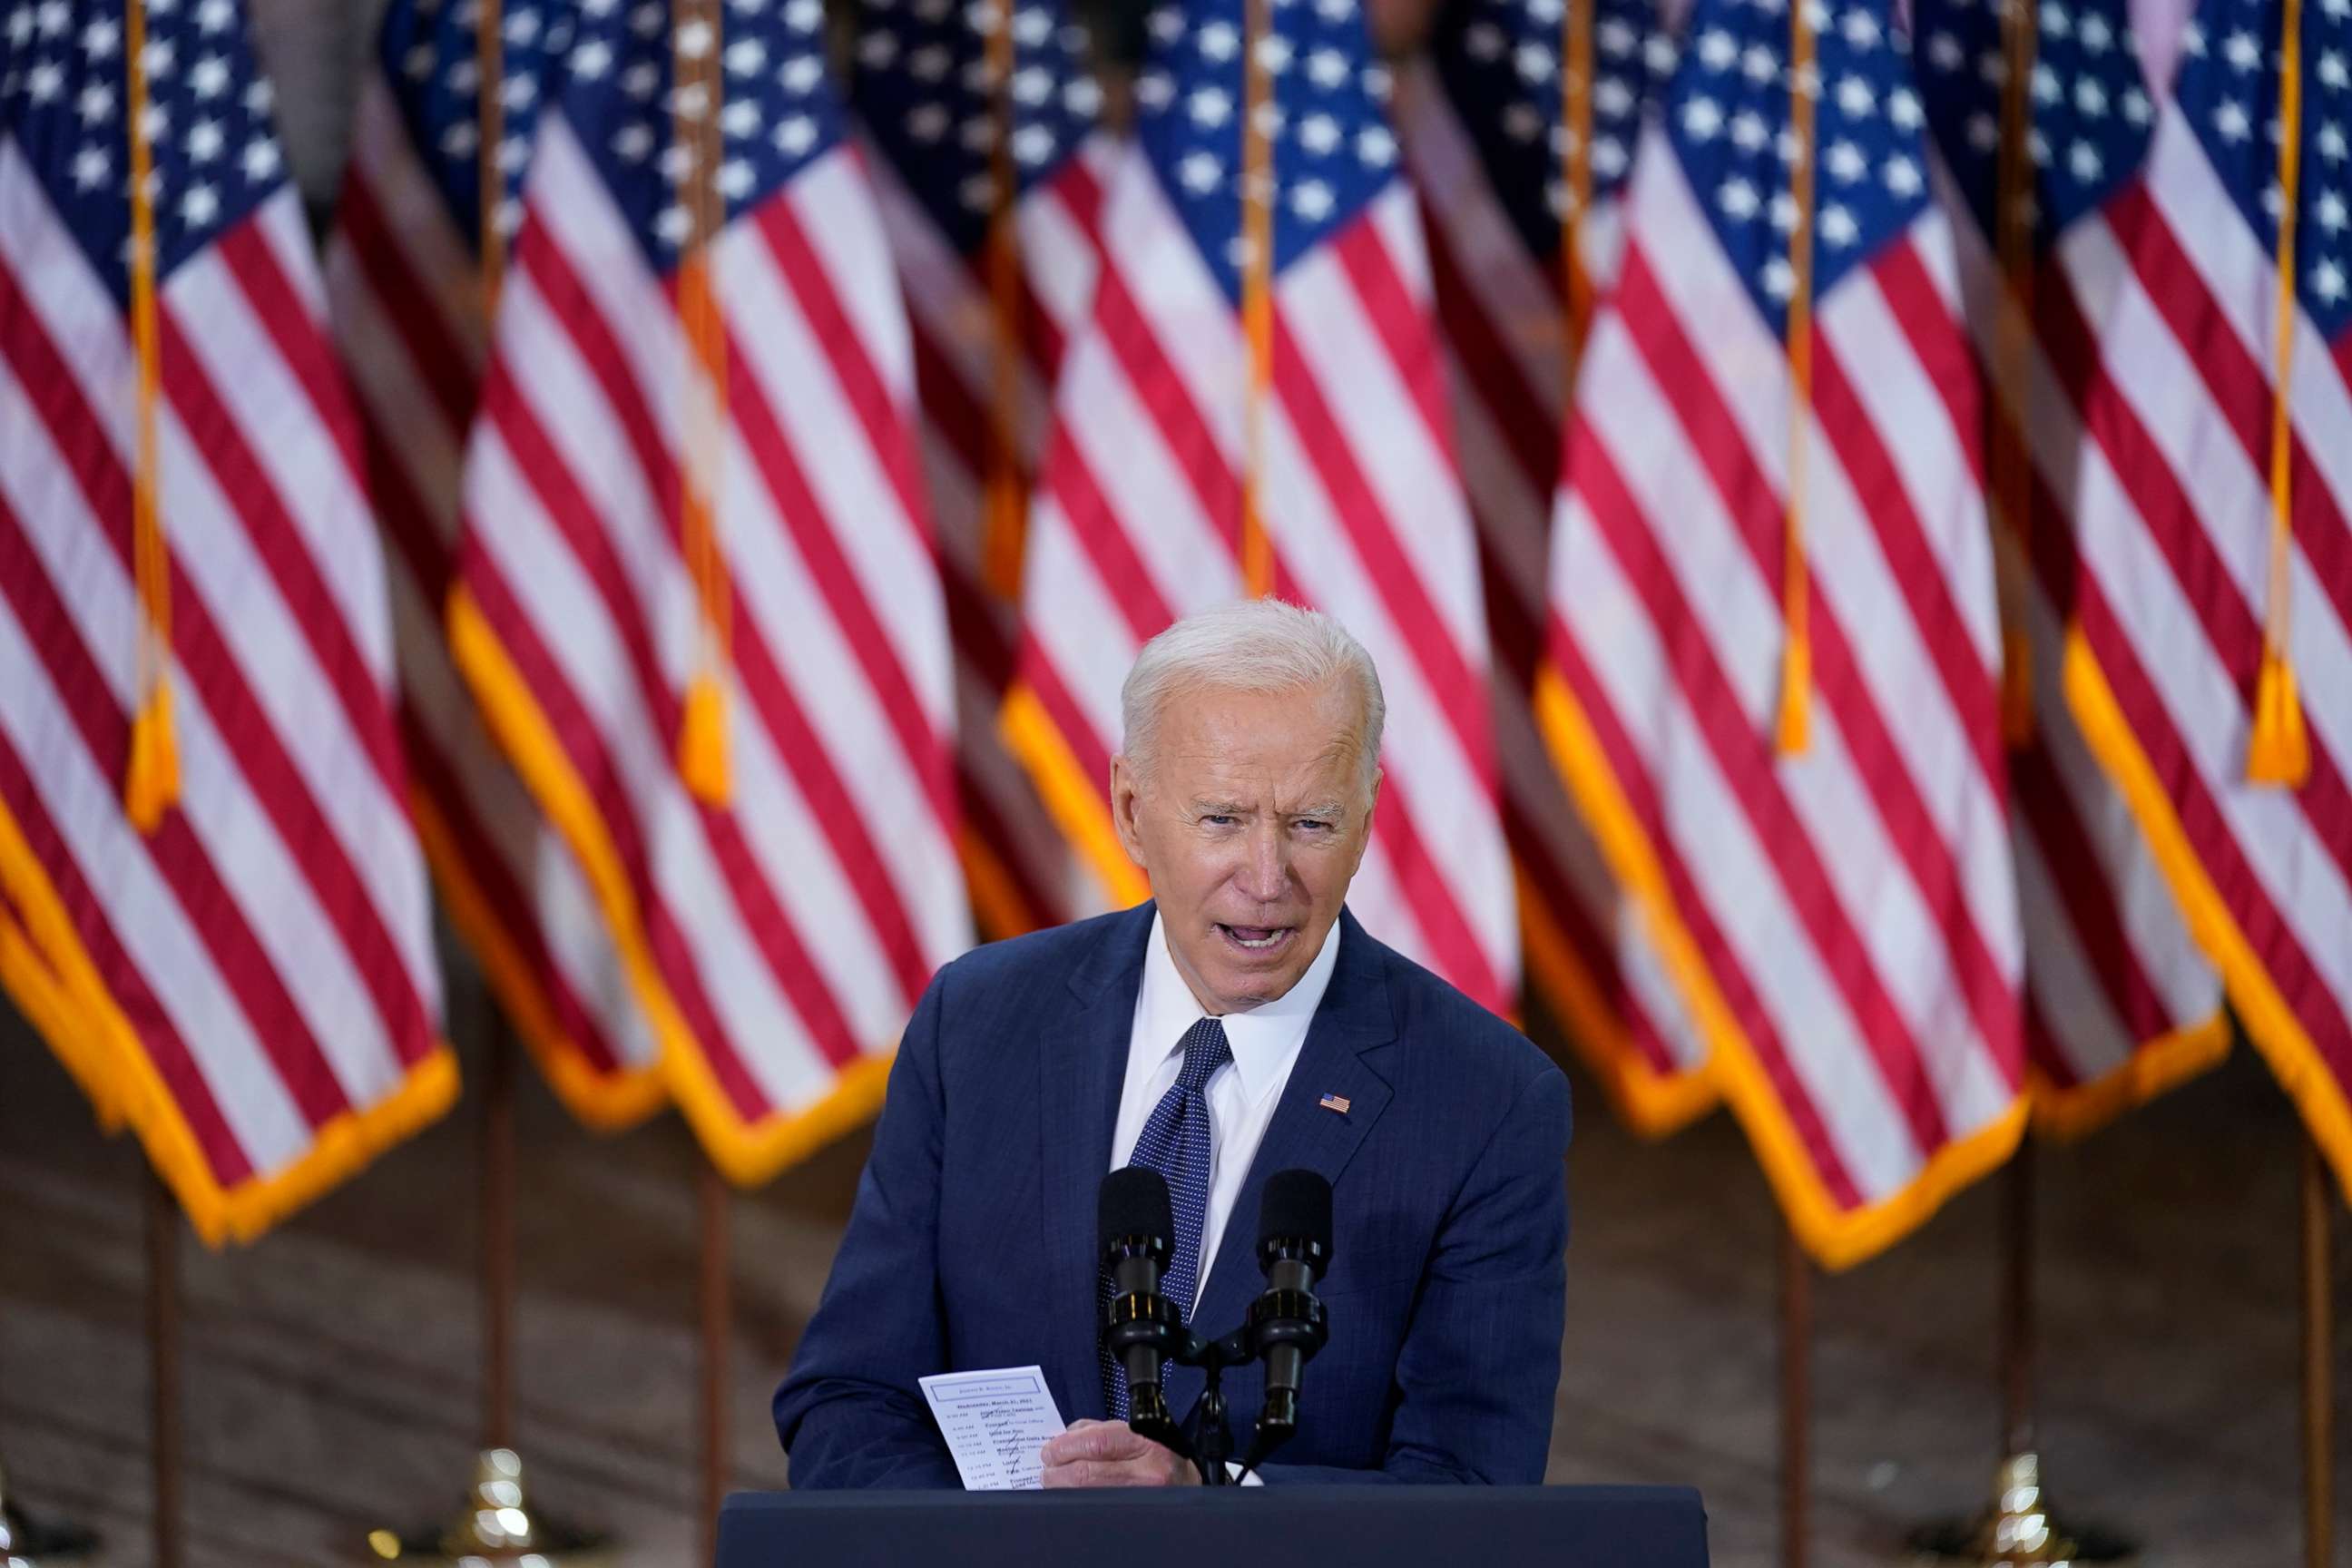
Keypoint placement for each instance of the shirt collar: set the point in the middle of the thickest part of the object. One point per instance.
(1264, 1039)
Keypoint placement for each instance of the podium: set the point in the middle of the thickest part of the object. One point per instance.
(1362, 1526)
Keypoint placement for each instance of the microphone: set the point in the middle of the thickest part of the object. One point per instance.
(1286, 1322)
(1141, 1327)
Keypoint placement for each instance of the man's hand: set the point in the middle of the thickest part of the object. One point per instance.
(1111, 1454)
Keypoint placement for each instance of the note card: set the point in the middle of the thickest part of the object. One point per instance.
(994, 1423)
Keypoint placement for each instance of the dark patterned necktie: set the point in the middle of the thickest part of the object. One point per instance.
(1175, 1143)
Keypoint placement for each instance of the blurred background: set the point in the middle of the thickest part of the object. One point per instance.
(333, 1369)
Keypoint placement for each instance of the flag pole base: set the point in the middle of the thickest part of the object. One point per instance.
(496, 1525)
(2020, 1530)
(29, 1542)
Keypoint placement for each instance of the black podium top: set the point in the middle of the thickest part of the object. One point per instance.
(1364, 1527)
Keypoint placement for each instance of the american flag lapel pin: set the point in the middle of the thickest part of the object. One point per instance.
(1338, 1102)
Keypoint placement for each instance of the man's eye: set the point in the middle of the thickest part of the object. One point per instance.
(1219, 819)
(1314, 824)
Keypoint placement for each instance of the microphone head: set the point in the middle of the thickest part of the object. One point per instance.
(1297, 1207)
(1134, 1201)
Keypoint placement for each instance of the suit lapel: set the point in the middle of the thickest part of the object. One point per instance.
(1081, 1061)
(1353, 1023)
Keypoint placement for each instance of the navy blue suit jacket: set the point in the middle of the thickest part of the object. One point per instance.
(972, 1242)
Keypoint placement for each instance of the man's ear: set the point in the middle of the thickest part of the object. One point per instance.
(1126, 795)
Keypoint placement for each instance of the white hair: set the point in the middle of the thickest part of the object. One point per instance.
(1250, 644)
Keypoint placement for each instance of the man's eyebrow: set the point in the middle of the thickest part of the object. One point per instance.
(1324, 809)
(1205, 807)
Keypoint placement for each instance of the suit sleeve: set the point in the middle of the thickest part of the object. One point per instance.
(1480, 1364)
(850, 1413)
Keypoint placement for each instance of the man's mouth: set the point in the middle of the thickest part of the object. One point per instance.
(1257, 940)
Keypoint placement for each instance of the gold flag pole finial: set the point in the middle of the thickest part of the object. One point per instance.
(2278, 752)
(1793, 730)
(2010, 458)
(1257, 295)
(702, 750)
(1006, 520)
(151, 783)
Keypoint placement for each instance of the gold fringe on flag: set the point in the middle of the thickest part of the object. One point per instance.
(2010, 458)
(151, 783)
(1793, 732)
(2278, 752)
(1257, 296)
(1006, 523)
(702, 750)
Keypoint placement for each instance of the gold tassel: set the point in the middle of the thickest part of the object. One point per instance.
(702, 758)
(151, 783)
(2277, 752)
(702, 750)
(1257, 300)
(1793, 732)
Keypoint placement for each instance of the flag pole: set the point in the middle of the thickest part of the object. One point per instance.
(2318, 1364)
(717, 1302)
(1007, 509)
(2019, 1527)
(496, 1518)
(163, 1366)
(1795, 1394)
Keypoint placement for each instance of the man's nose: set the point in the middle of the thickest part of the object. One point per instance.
(1266, 871)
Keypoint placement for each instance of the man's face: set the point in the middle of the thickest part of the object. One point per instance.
(1250, 823)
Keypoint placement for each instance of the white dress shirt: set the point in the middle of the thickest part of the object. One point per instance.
(1242, 1096)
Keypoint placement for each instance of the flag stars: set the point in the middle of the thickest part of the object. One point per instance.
(2231, 120)
(2330, 141)
(2095, 34)
(1845, 162)
(1716, 49)
(1839, 229)
(2328, 212)
(740, 119)
(928, 123)
(44, 81)
(2242, 52)
(2327, 282)
(1750, 133)
(91, 168)
(1902, 177)
(94, 103)
(261, 161)
(1375, 148)
(1327, 69)
(1702, 119)
(216, 16)
(102, 39)
(199, 206)
(1209, 107)
(2084, 162)
(632, 144)
(1535, 62)
(1738, 200)
(795, 135)
(746, 57)
(206, 141)
(1217, 41)
(1319, 133)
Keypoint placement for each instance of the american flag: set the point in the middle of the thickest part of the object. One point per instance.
(252, 982)
(1841, 919)
(2119, 1001)
(408, 290)
(970, 123)
(1490, 140)
(1139, 515)
(778, 922)
(2176, 593)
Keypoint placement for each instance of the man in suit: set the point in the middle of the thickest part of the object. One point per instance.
(1239, 1023)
